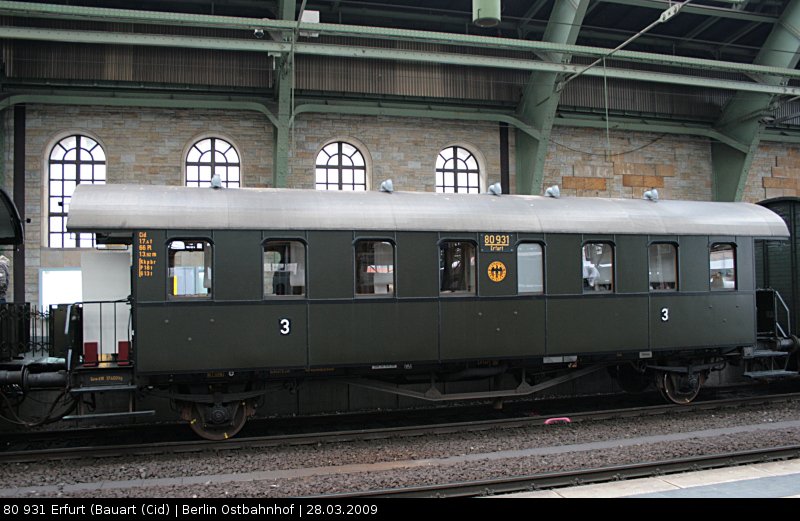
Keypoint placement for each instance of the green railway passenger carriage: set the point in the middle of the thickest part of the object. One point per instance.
(236, 290)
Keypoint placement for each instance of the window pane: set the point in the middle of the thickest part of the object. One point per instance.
(457, 267)
(204, 145)
(347, 176)
(530, 267)
(86, 173)
(193, 156)
(374, 268)
(284, 268)
(722, 264)
(598, 267)
(663, 267)
(189, 268)
(98, 154)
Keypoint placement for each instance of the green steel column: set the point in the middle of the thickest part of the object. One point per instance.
(283, 90)
(540, 100)
(741, 117)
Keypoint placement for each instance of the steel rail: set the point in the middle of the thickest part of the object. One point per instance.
(177, 447)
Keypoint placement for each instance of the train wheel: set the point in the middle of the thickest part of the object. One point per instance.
(218, 422)
(679, 388)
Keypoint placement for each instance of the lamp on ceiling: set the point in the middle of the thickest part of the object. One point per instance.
(486, 13)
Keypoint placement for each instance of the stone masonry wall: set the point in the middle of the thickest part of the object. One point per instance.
(149, 146)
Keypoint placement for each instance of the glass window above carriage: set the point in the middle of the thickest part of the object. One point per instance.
(722, 266)
(663, 265)
(457, 268)
(74, 160)
(189, 268)
(375, 268)
(598, 267)
(213, 156)
(284, 268)
(340, 166)
(530, 268)
(457, 171)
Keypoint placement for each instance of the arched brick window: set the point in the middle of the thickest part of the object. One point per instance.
(340, 166)
(74, 160)
(211, 156)
(457, 171)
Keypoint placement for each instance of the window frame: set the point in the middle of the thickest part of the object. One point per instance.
(543, 274)
(733, 248)
(459, 293)
(457, 172)
(358, 295)
(212, 164)
(264, 296)
(592, 289)
(80, 242)
(167, 285)
(339, 167)
(675, 249)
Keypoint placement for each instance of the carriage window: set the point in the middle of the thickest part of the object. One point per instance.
(189, 268)
(284, 268)
(530, 268)
(375, 268)
(598, 267)
(722, 266)
(663, 267)
(457, 267)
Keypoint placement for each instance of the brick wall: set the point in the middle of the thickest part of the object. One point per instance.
(585, 163)
(775, 172)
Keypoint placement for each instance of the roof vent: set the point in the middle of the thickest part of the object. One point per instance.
(553, 192)
(387, 186)
(651, 195)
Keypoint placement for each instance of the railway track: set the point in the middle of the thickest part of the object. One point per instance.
(551, 480)
(9, 455)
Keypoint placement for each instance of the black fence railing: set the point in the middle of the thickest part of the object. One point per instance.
(24, 330)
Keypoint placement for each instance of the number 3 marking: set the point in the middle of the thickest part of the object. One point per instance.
(665, 314)
(286, 326)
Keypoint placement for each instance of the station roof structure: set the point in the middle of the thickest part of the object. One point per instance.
(725, 70)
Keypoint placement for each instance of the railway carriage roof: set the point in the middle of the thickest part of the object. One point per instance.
(119, 207)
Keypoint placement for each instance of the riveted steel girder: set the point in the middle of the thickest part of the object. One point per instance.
(741, 119)
(540, 100)
(249, 24)
(705, 10)
(100, 37)
(644, 125)
(148, 101)
(412, 111)
(283, 90)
